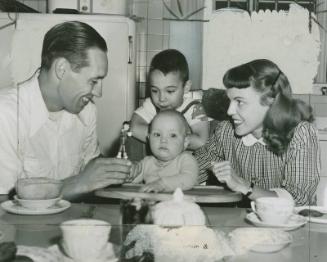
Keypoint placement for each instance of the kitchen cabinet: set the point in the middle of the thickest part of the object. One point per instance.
(319, 105)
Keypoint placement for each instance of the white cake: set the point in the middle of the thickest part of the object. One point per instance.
(191, 243)
(179, 234)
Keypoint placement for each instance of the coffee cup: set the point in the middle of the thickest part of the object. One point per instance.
(38, 188)
(273, 210)
(85, 240)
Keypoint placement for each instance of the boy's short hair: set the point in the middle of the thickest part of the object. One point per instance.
(173, 113)
(170, 60)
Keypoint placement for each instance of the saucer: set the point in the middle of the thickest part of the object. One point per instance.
(15, 208)
(277, 241)
(294, 222)
(108, 254)
(321, 220)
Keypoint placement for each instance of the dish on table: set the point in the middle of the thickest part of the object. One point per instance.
(15, 208)
(315, 214)
(271, 247)
(262, 240)
(294, 222)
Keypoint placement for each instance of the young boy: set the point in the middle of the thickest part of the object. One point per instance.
(170, 166)
(169, 83)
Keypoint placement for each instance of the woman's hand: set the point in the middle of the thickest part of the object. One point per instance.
(226, 174)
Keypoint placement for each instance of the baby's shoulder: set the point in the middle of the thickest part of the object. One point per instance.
(186, 156)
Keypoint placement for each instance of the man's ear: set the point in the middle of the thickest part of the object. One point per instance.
(187, 86)
(186, 141)
(60, 66)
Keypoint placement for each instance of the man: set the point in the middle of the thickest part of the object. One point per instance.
(48, 124)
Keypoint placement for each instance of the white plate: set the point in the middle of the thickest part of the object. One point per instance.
(13, 207)
(263, 240)
(37, 254)
(270, 248)
(294, 222)
(321, 220)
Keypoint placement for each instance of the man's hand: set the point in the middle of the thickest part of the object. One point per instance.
(156, 186)
(98, 173)
(226, 174)
(102, 172)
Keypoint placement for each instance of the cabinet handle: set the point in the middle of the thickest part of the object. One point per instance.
(130, 49)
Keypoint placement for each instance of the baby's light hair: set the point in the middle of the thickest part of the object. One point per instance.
(172, 113)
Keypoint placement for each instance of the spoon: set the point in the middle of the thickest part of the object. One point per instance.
(309, 212)
(22, 259)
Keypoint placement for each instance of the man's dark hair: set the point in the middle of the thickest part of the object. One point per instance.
(70, 40)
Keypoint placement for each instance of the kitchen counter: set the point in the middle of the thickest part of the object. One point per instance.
(309, 242)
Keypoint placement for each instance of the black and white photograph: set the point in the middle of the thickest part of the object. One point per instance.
(163, 130)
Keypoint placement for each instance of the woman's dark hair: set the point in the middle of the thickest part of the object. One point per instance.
(170, 60)
(70, 40)
(284, 112)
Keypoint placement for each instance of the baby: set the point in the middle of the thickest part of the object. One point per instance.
(169, 86)
(170, 166)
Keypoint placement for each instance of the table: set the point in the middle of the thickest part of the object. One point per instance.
(199, 194)
(309, 244)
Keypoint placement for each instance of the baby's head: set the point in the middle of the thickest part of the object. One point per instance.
(168, 135)
(168, 79)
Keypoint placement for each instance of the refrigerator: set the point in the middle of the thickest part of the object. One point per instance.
(21, 37)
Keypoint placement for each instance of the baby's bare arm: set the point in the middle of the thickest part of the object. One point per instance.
(139, 128)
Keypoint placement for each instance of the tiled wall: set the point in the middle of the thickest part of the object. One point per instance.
(39, 5)
(152, 37)
(153, 31)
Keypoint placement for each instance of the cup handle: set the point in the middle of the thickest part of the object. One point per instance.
(63, 248)
(253, 207)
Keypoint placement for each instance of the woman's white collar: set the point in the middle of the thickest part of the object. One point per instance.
(250, 140)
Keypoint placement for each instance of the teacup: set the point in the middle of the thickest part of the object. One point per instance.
(85, 240)
(37, 204)
(273, 210)
(38, 188)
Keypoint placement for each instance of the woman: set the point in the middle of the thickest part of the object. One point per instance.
(270, 147)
